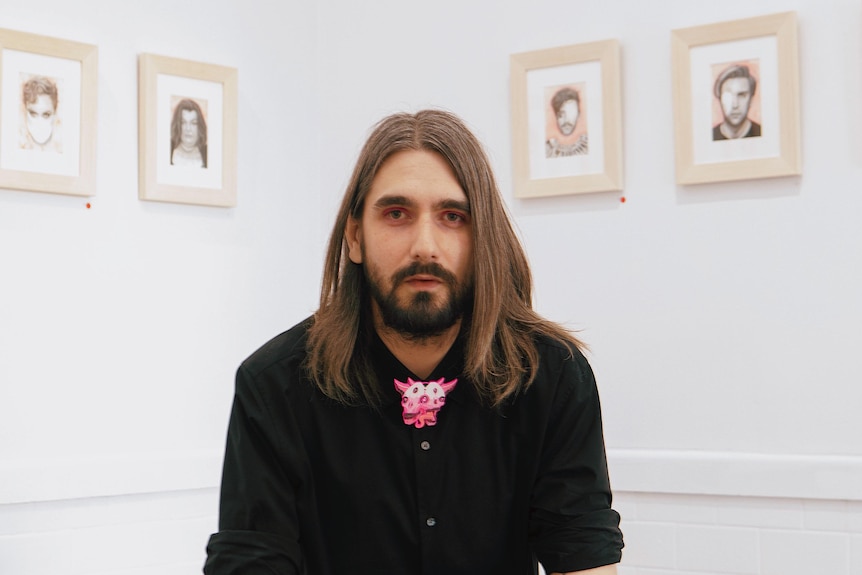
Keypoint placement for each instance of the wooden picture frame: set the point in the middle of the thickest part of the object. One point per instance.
(736, 100)
(48, 100)
(187, 131)
(553, 155)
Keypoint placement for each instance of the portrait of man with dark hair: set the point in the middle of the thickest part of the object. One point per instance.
(39, 129)
(188, 135)
(562, 139)
(735, 89)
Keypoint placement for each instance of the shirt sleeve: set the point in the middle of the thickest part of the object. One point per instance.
(572, 525)
(258, 526)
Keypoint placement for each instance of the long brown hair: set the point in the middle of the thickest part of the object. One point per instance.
(501, 357)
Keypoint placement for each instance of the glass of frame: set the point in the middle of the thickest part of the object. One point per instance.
(47, 114)
(188, 131)
(736, 100)
(566, 120)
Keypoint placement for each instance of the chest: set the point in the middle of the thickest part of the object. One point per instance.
(459, 488)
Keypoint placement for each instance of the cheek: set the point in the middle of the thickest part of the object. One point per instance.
(386, 248)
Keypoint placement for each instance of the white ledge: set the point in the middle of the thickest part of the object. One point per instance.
(24, 481)
(736, 474)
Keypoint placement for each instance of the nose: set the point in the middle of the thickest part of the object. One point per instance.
(425, 246)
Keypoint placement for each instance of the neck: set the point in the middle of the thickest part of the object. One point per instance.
(419, 355)
(731, 132)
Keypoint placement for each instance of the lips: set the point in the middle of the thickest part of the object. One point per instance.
(423, 281)
(425, 275)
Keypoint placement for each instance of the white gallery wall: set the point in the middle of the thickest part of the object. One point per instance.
(722, 318)
(122, 323)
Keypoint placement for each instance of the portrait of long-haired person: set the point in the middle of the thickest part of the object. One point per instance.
(40, 125)
(188, 135)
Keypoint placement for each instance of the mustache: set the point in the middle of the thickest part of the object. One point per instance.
(431, 269)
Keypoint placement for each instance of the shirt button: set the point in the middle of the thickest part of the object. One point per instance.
(431, 522)
(425, 445)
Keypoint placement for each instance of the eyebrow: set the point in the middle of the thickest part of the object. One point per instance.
(455, 205)
(448, 204)
(386, 201)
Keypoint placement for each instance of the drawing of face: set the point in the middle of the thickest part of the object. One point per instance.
(567, 117)
(40, 119)
(735, 100)
(189, 133)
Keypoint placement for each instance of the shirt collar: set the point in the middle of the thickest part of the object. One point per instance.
(389, 368)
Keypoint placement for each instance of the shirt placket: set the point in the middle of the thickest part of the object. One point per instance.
(430, 512)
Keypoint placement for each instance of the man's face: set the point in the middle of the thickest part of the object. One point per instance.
(567, 117)
(735, 100)
(414, 241)
(189, 129)
(40, 119)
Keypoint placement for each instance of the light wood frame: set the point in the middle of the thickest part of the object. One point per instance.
(608, 176)
(82, 183)
(153, 109)
(786, 161)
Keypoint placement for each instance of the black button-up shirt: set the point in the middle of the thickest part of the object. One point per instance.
(313, 486)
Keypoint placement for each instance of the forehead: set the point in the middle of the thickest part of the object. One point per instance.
(417, 175)
(41, 101)
(737, 84)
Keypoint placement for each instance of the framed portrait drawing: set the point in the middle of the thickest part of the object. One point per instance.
(187, 130)
(736, 100)
(47, 114)
(566, 120)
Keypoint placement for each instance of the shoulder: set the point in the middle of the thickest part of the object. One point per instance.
(563, 369)
(284, 350)
(563, 392)
(556, 352)
(754, 131)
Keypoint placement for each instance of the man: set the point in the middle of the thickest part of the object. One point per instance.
(425, 419)
(566, 104)
(39, 96)
(734, 89)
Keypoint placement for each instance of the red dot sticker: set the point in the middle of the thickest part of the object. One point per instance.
(88, 205)
(623, 200)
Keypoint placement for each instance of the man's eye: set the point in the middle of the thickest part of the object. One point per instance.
(454, 217)
(395, 214)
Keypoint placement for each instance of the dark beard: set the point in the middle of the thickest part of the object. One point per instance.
(421, 318)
